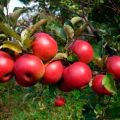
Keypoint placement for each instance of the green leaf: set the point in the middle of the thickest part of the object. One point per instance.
(72, 58)
(32, 29)
(109, 83)
(4, 2)
(16, 14)
(80, 30)
(97, 49)
(9, 31)
(69, 31)
(101, 1)
(75, 20)
(25, 38)
(28, 32)
(60, 32)
(98, 61)
(2, 36)
(12, 46)
(2, 15)
(59, 56)
(68, 22)
(56, 28)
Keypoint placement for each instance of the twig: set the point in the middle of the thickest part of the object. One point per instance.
(91, 28)
(87, 35)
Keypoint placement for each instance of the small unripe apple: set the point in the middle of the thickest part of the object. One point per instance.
(113, 66)
(28, 69)
(77, 75)
(53, 72)
(83, 50)
(59, 101)
(6, 67)
(97, 85)
(44, 46)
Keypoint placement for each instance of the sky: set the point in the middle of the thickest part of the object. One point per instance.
(16, 3)
(13, 4)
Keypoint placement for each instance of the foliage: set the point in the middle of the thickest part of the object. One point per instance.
(65, 20)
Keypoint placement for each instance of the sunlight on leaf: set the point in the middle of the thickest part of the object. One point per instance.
(2, 36)
(25, 38)
(109, 83)
(75, 20)
(28, 32)
(69, 31)
(12, 46)
(59, 56)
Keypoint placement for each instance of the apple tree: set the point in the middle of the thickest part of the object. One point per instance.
(62, 58)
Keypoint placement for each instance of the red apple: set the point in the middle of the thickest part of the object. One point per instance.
(59, 101)
(113, 66)
(53, 72)
(77, 75)
(97, 85)
(17, 55)
(6, 67)
(83, 50)
(44, 46)
(63, 87)
(28, 69)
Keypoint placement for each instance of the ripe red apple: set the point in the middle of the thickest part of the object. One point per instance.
(53, 72)
(28, 69)
(63, 87)
(77, 75)
(6, 67)
(16, 55)
(113, 66)
(59, 101)
(44, 46)
(83, 50)
(97, 85)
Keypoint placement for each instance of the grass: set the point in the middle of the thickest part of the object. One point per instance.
(37, 103)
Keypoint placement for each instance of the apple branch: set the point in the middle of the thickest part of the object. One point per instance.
(36, 26)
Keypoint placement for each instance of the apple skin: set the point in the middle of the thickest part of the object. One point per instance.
(113, 66)
(6, 67)
(17, 55)
(28, 69)
(83, 50)
(63, 87)
(59, 101)
(77, 75)
(97, 85)
(53, 72)
(44, 46)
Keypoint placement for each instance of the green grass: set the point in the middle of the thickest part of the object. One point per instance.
(37, 103)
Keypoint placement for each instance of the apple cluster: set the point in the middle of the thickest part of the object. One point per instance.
(31, 68)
